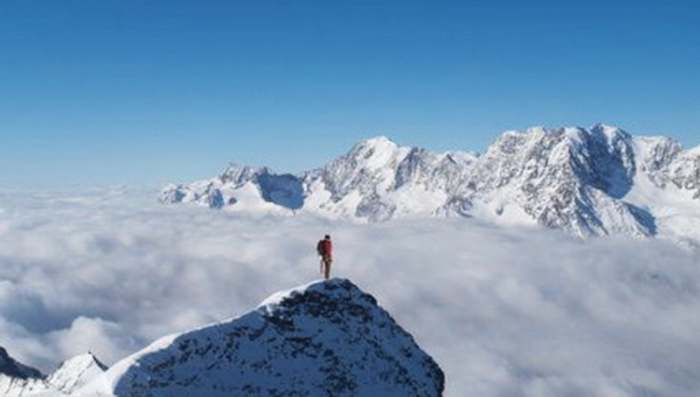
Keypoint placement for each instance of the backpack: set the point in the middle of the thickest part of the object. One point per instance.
(320, 248)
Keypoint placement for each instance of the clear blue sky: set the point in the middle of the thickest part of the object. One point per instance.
(119, 91)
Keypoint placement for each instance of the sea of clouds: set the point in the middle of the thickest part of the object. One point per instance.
(505, 312)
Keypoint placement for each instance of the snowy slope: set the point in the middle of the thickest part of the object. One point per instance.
(17, 380)
(590, 182)
(324, 339)
(669, 187)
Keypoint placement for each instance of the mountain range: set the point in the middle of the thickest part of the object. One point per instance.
(597, 181)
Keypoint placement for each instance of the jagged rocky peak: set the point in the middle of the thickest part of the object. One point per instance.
(238, 174)
(599, 156)
(370, 155)
(255, 184)
(664, 162)
(657, 152)
(12, 368)
(363, 160)
(75, 373)
(685, 171)
(566, 178)
(381, 160)
(327, 338)
(366, 168)
(611, 132)
(518, 156)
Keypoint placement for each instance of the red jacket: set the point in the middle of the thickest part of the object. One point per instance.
(325, 247)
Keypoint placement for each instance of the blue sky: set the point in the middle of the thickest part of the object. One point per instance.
(144, 92)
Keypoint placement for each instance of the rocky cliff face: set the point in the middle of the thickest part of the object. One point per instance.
(10, 367)
(584, 181)
(324, 339)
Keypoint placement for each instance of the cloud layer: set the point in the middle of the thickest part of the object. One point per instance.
(516, 312)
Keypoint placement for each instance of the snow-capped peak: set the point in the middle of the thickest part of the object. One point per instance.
(76, 372)
(239, 174)
(606, 129)
(379, 141)
(375, 153)
(325, 338)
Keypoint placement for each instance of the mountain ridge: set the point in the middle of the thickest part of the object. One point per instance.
(584, 181)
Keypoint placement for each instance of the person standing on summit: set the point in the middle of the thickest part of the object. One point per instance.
(325, 250)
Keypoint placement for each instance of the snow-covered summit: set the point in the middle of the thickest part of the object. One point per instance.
(588, 181)
(325, 338)
(75, 373)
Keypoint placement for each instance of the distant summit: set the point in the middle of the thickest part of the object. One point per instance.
(598, 181)
(75, 373)
(18, 380)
